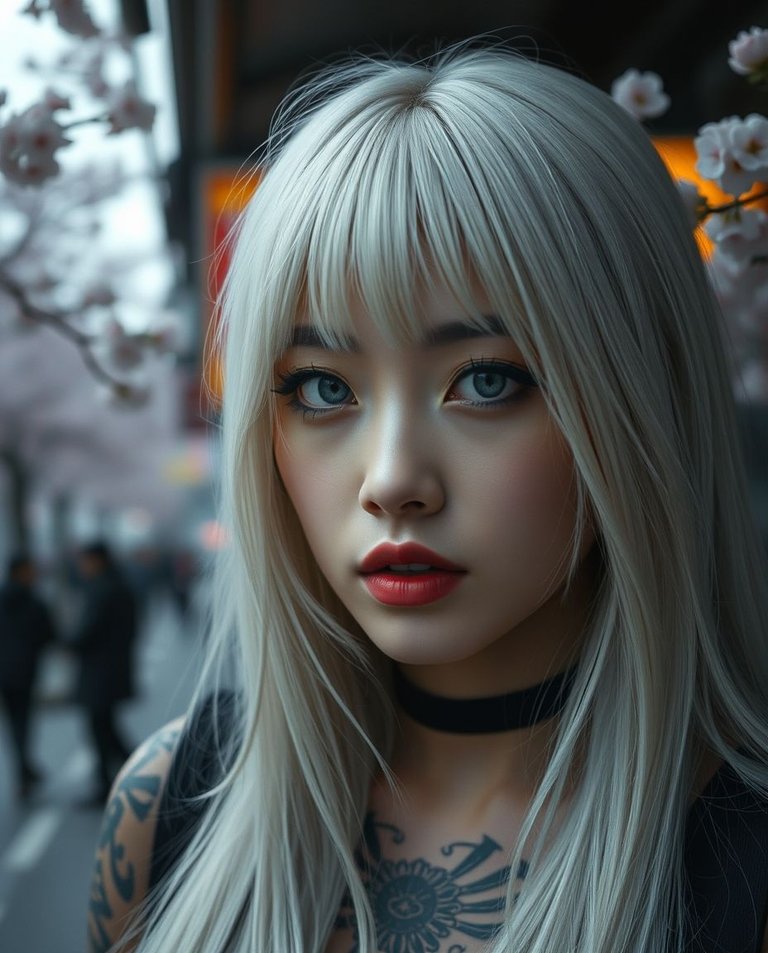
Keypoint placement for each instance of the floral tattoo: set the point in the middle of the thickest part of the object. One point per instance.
(416, 905)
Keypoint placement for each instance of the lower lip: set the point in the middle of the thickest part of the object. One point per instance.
(415, 589)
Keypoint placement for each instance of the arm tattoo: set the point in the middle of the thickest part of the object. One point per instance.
(136, 792)
(416, 904)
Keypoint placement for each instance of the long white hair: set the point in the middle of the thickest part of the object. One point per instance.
(483, 165)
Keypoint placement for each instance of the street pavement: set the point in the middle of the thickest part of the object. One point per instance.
(47, 844)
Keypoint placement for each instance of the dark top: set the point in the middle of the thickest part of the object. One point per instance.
(26, 627)
(105, 642)
(726, 847)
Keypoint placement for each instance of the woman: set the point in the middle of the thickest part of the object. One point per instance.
(494, 601)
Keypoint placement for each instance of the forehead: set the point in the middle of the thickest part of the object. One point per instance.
(432, 335)
(432, 315)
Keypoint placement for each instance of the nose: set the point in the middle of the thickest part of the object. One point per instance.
(402, 475)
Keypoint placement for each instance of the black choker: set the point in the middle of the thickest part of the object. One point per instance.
(475, 716)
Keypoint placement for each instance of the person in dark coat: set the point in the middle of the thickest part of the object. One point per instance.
(26, 627)
(105, 644)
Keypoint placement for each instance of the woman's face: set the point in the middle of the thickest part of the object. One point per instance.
(439, 446)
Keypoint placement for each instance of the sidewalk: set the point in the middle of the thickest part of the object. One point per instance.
(46, 846)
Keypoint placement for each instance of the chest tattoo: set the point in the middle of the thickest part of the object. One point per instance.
(417, 905)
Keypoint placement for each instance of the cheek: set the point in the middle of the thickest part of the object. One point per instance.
(315, 484)
(525, 495)
(538, 484)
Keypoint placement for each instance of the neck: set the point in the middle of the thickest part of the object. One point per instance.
(473, 769)
(471, 776)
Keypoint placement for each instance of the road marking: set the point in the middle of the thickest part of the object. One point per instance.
(32, 840)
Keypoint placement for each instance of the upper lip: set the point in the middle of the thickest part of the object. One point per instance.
(386, 554)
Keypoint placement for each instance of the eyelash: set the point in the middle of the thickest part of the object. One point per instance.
(291, 381)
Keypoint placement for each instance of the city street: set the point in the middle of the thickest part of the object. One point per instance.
(46, 845)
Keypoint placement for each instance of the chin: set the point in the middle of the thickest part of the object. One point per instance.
(412, 647)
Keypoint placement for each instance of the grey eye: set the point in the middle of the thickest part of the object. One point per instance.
(324, 390)
(489, 383)
(480, 385)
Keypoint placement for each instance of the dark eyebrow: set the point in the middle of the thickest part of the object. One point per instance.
(304, 335)
(459, 331)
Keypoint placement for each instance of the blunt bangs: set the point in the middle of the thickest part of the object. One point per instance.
(393, 201)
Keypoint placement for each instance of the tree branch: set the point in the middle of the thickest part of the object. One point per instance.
(58, 321)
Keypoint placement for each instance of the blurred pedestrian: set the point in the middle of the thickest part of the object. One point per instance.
(105, 642)
(26, 627)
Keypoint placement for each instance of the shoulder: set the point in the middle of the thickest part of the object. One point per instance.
(727, 858)
(121, 872)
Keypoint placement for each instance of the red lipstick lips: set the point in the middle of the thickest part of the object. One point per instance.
(408, 574)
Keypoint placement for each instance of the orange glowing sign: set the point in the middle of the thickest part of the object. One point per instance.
(225, 193)
(679, 154)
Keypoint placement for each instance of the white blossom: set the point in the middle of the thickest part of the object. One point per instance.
(749, 52)
(749, 142)
(127, 110)
(641, 94)
(717, 156)
(28, 143)
(695, 203)
(741, 234)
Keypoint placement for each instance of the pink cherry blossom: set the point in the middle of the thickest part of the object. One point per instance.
(749, 52)
(741, 234)
(717, 157)
(28, 143)
(641, 94)
(749, 142)
(127, 110)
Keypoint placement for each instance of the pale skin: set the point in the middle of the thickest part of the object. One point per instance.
(429, 443)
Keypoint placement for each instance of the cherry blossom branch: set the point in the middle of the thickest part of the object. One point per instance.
(58, 321)
(736, 203)
(30, 141)
(734, 154)
(89, 121)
